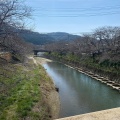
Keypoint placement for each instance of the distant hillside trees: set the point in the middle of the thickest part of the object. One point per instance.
(42, 38)
(36, 38)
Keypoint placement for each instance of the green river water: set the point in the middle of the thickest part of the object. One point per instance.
(80, 93)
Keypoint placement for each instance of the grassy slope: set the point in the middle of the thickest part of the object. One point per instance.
(21, 95)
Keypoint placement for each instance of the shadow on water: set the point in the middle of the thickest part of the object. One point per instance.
(80, 93)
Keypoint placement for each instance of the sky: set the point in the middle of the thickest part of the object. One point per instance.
(73, 16)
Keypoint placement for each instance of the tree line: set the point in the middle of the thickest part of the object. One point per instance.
(103, 41)
(98, 52)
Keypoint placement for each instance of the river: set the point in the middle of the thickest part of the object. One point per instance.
(80, 93)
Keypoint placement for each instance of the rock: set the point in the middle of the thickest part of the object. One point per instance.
(57, 89)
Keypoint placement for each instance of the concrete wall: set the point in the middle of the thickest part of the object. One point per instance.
(110, 114)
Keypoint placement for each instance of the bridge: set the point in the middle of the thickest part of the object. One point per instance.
(40, 50)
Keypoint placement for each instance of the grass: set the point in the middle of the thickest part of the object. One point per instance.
(21, 98)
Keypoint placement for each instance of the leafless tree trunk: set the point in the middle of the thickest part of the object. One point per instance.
(13, 14)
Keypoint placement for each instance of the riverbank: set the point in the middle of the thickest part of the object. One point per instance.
(41, 60)
(52, 97)
(27, 92)
(103, 80)
(96, 74)
(110, 114)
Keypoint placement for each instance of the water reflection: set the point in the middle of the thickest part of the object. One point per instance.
(80, 93)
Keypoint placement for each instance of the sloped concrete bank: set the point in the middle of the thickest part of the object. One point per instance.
(110, 114)
(103, 80)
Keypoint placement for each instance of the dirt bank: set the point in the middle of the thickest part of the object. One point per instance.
(51, 96)
(41, 60)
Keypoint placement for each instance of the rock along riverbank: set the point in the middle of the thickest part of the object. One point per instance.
(103, 80)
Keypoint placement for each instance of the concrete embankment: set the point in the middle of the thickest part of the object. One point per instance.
(110, 114)
(103, 77)
(104, 80)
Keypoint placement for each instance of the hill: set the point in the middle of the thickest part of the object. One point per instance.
(36, 38)
(62, 36)
(41, 39)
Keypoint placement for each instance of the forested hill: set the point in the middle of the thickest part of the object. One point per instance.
(40, 39)
(62, 36)
(36, 38)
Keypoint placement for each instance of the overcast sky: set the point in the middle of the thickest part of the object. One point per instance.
(74, 16)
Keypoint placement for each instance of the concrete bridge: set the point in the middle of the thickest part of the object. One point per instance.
(41, 50)
(110, 114)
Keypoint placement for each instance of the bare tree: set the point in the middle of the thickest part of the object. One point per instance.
(12, 17)
(103, 43)
(13, 14)
(107, 37)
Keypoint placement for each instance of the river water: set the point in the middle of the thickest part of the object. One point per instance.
(80, 93)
